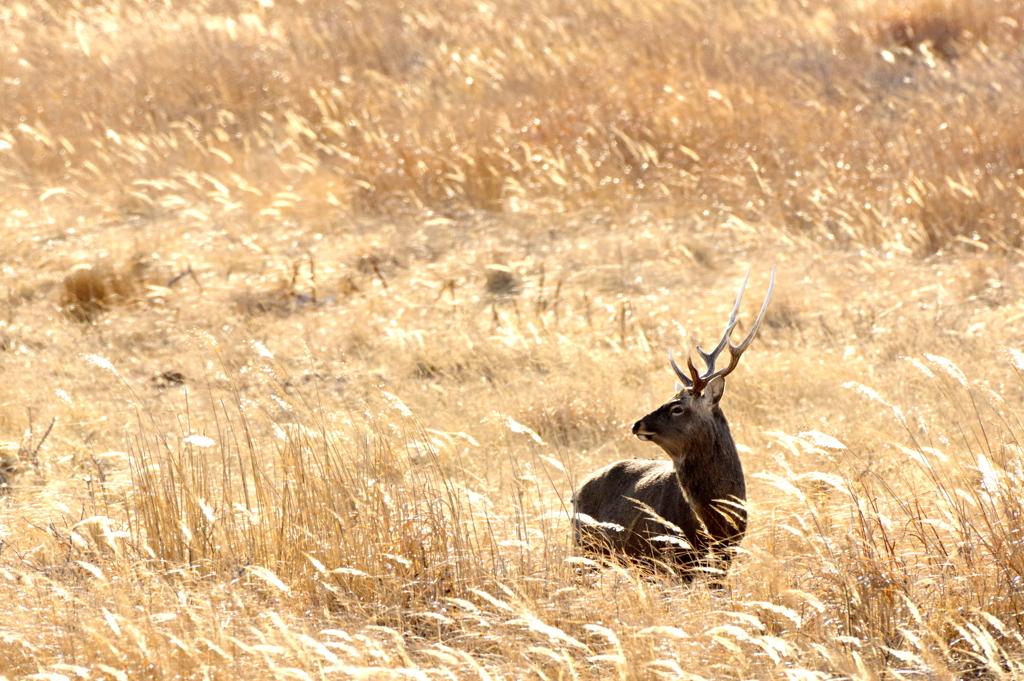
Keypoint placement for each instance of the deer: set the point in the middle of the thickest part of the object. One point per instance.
(688, 514)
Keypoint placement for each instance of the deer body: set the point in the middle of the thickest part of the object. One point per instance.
(687, 513)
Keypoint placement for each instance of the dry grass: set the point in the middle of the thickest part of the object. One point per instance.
(316, 312)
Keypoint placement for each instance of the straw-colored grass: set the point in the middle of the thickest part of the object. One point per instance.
(312, 314)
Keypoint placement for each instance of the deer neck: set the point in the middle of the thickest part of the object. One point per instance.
(709, 471)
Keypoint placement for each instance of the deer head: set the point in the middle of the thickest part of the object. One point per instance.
(680, 421)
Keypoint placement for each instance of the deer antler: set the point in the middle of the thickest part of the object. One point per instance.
(698, 382)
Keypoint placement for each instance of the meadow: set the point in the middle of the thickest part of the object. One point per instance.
(315, 313)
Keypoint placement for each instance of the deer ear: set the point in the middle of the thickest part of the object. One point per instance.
(714, 390)
(680, 387)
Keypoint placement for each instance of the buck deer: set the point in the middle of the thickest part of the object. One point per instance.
(688, 514)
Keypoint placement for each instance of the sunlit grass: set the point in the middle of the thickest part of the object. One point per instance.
(313, 315)
(891, 124)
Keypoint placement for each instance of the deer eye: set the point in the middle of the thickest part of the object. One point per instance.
(677, 409)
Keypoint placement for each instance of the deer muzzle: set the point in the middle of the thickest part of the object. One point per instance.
(640, 431)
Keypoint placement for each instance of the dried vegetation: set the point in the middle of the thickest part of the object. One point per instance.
(314, 312)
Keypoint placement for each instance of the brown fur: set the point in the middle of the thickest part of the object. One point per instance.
(696, 499)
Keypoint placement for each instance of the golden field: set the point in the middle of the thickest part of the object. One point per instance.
(313, 314)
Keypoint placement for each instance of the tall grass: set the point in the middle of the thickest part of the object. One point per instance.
(373, 512)
(889, 124)
(313, 314)
(266, 524)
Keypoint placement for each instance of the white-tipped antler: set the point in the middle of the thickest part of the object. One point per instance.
(697, 381)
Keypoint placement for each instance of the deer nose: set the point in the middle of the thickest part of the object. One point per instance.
(640, 431)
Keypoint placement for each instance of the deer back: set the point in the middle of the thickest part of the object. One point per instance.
(624, 508)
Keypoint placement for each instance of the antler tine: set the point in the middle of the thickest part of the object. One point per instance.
(735, 351)
(710, 357)
(683, 378)
(698, 382)
(760, 315)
